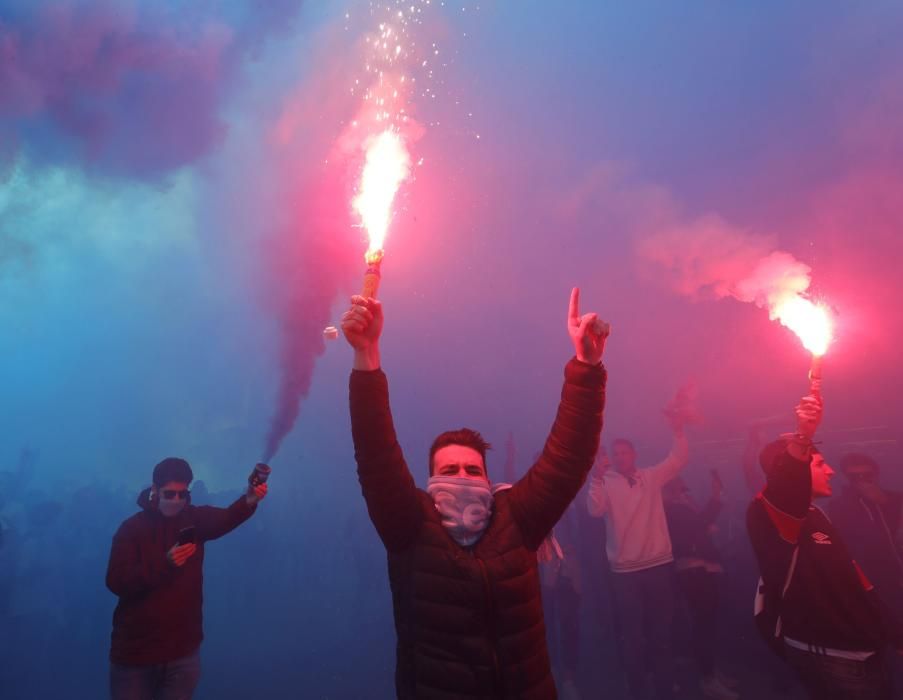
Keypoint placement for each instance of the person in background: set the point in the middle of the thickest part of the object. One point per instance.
(870, 518)
(815, 607)
(699, 574)
(640, 556)
(156, 570)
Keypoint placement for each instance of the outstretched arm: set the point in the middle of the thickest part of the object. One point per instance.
(386, 483)
(676, 460)
(597, 494)
(541, 497)
(213, 523)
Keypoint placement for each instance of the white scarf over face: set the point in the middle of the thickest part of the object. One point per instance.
(465, 505)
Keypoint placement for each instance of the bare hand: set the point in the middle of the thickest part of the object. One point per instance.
(602, 464)
(257, 494)
(587, 332)
(809, 413)
(181, 553)
(362, 324)
(682, 409)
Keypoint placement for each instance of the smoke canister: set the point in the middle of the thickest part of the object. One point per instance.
(260, 474)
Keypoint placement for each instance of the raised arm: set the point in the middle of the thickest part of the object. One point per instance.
(597, 494)
(676, 460)
(386, 483)
(213, 522)
(542, 495)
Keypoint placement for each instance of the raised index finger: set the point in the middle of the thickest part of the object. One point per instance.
(574, 307)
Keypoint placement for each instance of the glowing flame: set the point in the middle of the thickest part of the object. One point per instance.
(387, 165)
(810, 321)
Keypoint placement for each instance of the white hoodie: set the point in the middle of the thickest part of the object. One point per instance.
(636, 528)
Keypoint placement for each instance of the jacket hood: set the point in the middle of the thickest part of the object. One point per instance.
(144, 501)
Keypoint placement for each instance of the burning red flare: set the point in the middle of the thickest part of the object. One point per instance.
(387, 165)
(810, 321)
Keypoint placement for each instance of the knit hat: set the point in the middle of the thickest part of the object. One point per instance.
(172, 469)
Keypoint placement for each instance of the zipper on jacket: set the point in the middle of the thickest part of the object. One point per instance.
(490, 623)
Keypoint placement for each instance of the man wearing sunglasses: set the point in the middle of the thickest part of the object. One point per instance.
(156, 569)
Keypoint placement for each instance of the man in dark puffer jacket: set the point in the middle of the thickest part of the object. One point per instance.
(462, 558)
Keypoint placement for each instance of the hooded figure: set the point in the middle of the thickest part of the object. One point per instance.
(158, 577)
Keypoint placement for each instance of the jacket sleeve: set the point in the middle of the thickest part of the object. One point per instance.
(889, 617)
(597, 497)
(213, 523)
(386, 483)
(671, 466)
(774, 554)
(542, 495)
(129, 574)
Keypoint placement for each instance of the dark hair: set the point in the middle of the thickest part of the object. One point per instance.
(772, 455)
(622, 441)
(172, 469)
(857, 458)
(465, 437)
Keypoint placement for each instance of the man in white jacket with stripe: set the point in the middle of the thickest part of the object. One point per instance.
(639, 554)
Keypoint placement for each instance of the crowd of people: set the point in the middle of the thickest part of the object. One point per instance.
(584, 575)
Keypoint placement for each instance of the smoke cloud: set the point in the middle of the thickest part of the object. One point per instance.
(710, 258)
(122, 89)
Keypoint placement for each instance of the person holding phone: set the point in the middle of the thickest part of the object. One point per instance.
(156, 570)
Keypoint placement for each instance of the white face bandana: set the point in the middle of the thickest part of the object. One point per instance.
(170, 508)
(464, 504)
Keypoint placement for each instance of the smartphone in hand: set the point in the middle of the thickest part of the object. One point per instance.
(187, 535)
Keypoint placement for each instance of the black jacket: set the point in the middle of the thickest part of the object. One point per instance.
(830, 603)
(870, 530)
(689, 530)
(158, 618)
(469, 620)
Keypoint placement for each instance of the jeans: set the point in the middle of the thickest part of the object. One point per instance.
(562, 612)
(700, 590)
(175, 680)
(831, 678)
(645, 607)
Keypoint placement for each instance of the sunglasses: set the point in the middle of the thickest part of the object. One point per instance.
(172, 494)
